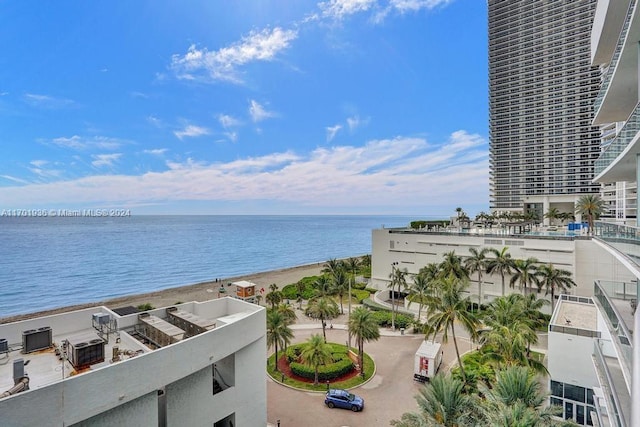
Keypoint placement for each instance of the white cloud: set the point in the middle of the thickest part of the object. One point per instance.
(400, 172)
(46, 101)
(228, 121)
(338, 9)
(222, 64)
(332, 131)
(156, 151)
(414, 5)
(232, 136)
(259, 113)
(14, 179)
(355, 122)
(102, 160)
(77, 142)
(38, 163)
(191, 131)
(154, 121)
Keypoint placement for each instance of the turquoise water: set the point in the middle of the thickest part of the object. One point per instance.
(54, 262)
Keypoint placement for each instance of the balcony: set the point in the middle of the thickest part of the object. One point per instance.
(613, 154)
(616, 394)
(618, 92)
(616, 301)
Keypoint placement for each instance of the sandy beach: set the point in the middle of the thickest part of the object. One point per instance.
(196, 292)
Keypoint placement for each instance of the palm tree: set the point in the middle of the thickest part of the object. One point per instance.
(287, 312)
(322, 285)
(516, 399)
(477, 263)
(552, 214)
(446, 308)
(273, 287)
(363, 326)
(552, 279)
(316, 352)
(592, 206)
(339, 285)
(331, 266)
(323, 309)
(398, 278)
(442, 402)
(506, 345)
(502, 263)
(273, 298)
(278, 332)
(524, 273)
(419, 289)
(452, 265)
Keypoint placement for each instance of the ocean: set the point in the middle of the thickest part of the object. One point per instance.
(54, 262)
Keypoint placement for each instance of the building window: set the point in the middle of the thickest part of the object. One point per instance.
(224, 373)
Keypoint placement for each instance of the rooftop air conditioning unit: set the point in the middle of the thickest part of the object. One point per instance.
(37, 339)
(85, 354)
(4, 345)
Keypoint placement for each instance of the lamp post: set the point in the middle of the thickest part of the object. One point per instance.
(393, 299)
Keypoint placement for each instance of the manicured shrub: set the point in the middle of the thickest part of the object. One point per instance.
(290, 292)
(325, 372)
(360, 295)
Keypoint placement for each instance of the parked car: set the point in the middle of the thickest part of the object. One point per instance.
(343, 399)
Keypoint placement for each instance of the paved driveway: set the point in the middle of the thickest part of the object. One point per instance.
(387, 396)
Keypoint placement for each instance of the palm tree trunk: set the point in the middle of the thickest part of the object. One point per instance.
(553, 299)
(324, 325)
(479, 289)
(361, 358)
(276, 367)
(502, 284)
(341, 308)
(455, 343)
(315, 380)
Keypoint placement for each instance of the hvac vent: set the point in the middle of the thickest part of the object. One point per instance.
(4, 345)
(34, 340)
(85, 354)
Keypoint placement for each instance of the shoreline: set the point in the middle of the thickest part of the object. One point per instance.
(202, 291)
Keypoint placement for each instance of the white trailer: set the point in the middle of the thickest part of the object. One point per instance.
(427, 361)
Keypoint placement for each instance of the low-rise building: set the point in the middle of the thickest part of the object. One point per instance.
(195, 364)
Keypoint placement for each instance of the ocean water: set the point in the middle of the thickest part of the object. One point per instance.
(55, 262)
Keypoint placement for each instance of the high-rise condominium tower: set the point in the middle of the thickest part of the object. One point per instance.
(541, 92)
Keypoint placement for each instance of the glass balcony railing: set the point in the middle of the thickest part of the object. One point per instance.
(623, 238)
(615, 301)
(617, 146)
(606, 82)
(616, 395)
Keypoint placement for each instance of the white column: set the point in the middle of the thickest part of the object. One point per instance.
(545, 209)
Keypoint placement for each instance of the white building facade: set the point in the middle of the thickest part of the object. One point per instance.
(195, 364)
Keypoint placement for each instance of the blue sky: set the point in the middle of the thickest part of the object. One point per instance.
(248, 106)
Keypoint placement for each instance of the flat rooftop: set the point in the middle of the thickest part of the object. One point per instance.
(575, 313)
(82, 341)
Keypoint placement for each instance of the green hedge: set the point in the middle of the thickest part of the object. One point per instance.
(341, 365)
(383, 318)
(326, 372)
(360, 295)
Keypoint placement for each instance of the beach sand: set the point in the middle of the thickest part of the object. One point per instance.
(197, 292)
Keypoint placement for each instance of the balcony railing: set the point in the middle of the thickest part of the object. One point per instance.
(618, 145)
(608, 296)
(606, 82)
(623, 238)
(615, 391)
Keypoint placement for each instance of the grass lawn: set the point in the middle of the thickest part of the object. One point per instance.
(369, 369)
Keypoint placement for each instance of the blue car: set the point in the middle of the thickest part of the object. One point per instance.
(337, 398)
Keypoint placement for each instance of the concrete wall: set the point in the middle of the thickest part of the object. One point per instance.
(586, 260)
(122, 390)
(415, 250)
(569, 359)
